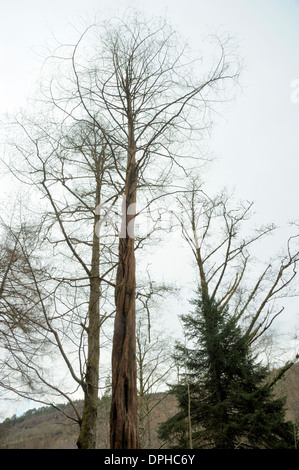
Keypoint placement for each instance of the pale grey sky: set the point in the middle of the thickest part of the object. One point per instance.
(256, 143)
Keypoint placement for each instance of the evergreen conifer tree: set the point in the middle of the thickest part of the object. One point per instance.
(228, 401)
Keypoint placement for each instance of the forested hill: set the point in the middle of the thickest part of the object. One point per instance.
(47, 428)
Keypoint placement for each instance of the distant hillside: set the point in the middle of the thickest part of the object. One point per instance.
(46, 428)
(288, 387)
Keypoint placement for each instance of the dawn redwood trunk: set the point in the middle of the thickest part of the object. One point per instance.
(124, 416)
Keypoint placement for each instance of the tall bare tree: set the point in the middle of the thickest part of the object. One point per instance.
(70, 165)
(138, 78)
(137, 87)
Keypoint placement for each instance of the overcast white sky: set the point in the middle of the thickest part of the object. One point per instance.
(257, 142)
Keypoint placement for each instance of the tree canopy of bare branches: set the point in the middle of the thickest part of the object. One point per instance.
(223, 244)
(121, 112)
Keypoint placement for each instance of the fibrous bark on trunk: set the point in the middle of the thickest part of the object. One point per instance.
(124, 418)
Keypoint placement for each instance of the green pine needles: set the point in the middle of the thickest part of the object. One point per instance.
(223, 396)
